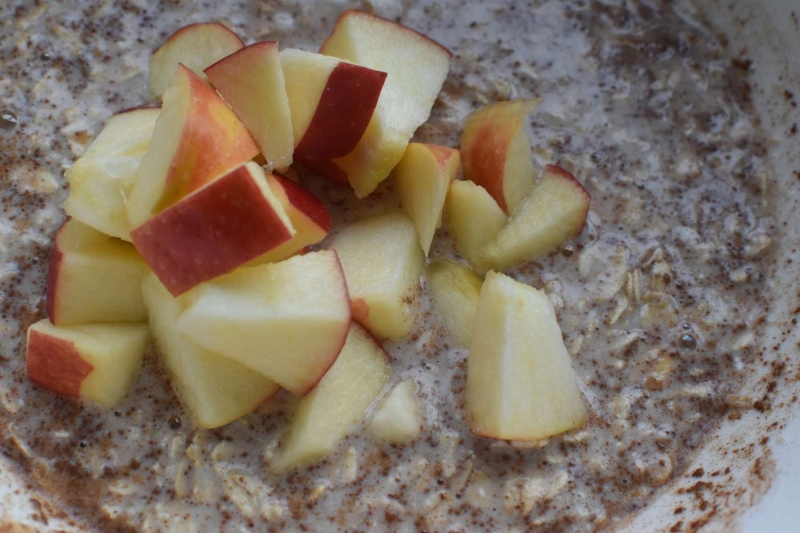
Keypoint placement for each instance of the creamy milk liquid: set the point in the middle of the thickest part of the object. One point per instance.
(660, 299)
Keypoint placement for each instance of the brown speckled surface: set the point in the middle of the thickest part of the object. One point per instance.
(648, 107)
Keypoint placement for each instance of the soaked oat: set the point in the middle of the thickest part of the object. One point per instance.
(660, 300)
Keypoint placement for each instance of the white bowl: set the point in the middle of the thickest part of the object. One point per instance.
(762, 450)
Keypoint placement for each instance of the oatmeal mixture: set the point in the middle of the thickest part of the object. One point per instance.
(660, 299)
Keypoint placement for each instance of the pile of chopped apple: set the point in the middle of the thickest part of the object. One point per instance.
(184, 226)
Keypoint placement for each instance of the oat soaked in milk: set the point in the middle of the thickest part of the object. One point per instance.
(660, 299)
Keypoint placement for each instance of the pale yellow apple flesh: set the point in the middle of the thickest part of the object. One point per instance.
(454, 291)
(382, 261)
(423, 178)
(497, 152)
(473, 219)
(213, 389)
(100, 180)
(416, 67)
(197, 138)
(306, 75)
(397, 419)
(520, 382)
(196, 46)
(93, 278)
(97, 362)
(251, 81)
(340, 401)
(287, 321)
(554, 211)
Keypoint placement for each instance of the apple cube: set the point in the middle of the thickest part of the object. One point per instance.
(287, 321)
(454, 291)
(416, 67)
(97, 362)
(520, 382)
(197, 138)
(332, 102)
(218, 228)
(497, 151)
(196, 46)
(340, 400)
(397, 418)
(308, 215)
(100, 180)
(251, 81)
(553, 212)
(382, 261)
(423, 178)
(473, 219)
(93, 278)
(213, 389)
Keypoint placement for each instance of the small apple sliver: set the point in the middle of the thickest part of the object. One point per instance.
(196, 46)
(554, 211)
(340, 400)
(214, 390)
(101, 179)
(97, 362)
(474, 218)
(382, 261)
(455, 291)
(520, 382)
(497, 151)
(423, 178)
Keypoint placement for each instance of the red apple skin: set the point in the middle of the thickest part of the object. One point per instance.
(567, 175)
(337, 347)
(210, 233)
(360, 310)
(197, 159)
(487, 158)
(56, 256)
(306, 203)
(343, 113)
(55, 364)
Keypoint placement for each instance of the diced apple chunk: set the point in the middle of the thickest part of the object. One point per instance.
(251, 81)
(397, 418)
(287, 321)
(473, 219)
(382, 261)
(520, 382)
(222, 226)
(101, 179)
(93, 278)
(197, 138)
(454, 290)
(332, 102)
(97, 362)
(416, 67)
(339, 401)
(497, 151)
(196, 46)
(554, 211)
(309, 217)
(213, 389)
(423, 178)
